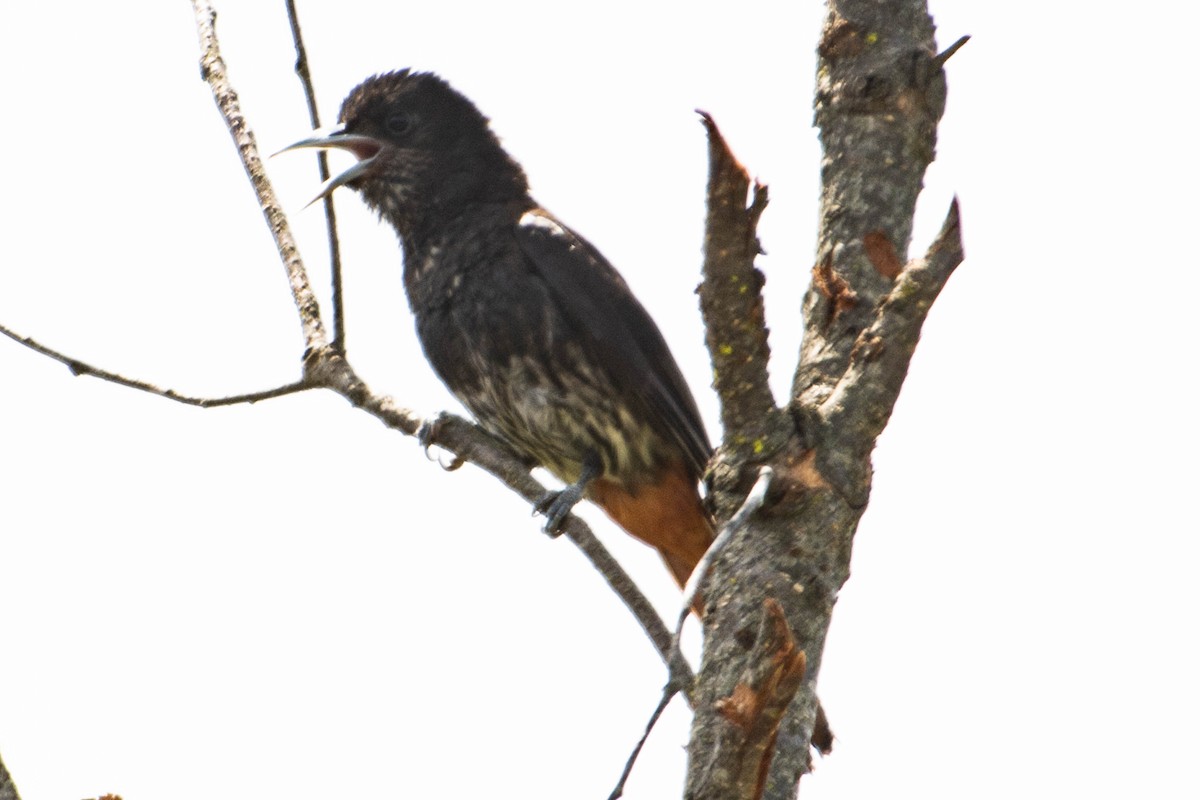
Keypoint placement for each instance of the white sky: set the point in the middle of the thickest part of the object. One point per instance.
(286, 600)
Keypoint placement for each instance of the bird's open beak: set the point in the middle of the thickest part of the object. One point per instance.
(366, 148)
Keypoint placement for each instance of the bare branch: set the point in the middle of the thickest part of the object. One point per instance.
(731, 299)
(81, 368)
(663, 702)
(314, 117)
(862, 402)
(212, 69)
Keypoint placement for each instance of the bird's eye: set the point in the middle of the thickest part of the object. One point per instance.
(399, 122)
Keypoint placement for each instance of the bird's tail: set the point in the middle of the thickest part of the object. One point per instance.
(667, 515)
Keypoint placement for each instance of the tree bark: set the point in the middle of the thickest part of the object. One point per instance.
(771, 592)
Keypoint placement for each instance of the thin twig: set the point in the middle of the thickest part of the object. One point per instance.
(619, 789)
(81, 368)
(314, 118)
(941, 58)
(753, 502)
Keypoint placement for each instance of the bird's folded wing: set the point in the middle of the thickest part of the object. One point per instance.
(592, 295)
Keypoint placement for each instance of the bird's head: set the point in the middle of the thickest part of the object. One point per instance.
(423, 149)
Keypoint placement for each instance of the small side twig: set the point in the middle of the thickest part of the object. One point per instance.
(753, 502)
(941, 58)
(81, 368)
(314, 117)
(663, 702)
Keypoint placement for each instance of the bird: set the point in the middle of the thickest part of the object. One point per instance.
(524, 321)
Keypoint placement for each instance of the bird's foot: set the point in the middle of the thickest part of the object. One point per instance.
(556, 505)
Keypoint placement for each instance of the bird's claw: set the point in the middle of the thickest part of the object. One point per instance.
(556, 505)
(427, 436)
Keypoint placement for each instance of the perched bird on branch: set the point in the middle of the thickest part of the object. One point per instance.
(523, 319)
(526, 322)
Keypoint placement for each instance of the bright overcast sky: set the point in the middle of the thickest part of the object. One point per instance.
(287, 600)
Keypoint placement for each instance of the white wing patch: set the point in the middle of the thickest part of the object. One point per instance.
(533, 219)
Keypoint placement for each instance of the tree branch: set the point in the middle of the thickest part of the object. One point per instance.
(80, 368)
(862, 401)
(331, 234)
(212, 70)
(731, 300)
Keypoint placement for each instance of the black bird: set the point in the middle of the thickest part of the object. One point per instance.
(526, 322)
(523, 319)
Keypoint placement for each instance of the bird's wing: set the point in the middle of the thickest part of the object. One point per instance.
(593, 296)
